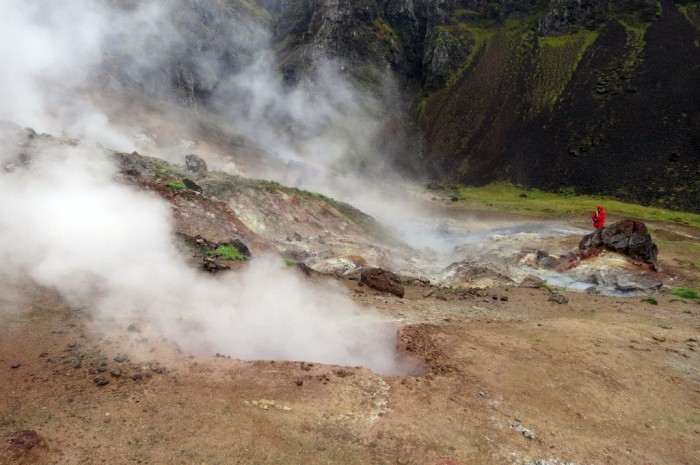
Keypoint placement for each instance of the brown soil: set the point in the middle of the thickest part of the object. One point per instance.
(597, 380)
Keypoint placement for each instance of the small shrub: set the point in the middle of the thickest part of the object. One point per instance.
(678, 300)
(290, 262)
(227, 252)
(651, 301)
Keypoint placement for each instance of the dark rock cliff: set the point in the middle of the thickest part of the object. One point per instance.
(598, 96)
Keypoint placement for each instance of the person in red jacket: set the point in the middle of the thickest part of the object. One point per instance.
(598, 217)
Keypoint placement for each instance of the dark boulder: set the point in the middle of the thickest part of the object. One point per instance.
(627, 237)
(191, 185)
(383, 281)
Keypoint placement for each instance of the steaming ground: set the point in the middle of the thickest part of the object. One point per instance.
(67, 224)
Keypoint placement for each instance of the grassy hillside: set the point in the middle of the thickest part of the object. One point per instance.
(612, 108)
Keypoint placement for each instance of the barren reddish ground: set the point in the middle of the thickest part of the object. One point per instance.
(598, 380)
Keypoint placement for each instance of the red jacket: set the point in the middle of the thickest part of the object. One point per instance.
(598, 217)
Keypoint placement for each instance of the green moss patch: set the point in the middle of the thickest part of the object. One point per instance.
(227, 252)
(686, 293)
(176, 185)
(557, 60)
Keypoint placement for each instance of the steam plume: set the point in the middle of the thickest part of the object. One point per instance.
(65, 222)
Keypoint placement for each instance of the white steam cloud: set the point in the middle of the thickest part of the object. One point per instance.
(67, 224)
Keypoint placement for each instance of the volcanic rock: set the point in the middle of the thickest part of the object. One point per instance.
(558, 297)
(532, 281)
(480, 275)
(627, 237)
(191, 185)
(195, 164)
(101, 381)
(545, 260)
(383, 281)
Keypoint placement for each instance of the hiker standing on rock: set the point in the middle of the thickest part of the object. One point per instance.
(598, 217)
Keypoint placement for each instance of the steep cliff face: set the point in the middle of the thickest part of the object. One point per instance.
(598, 96)
(611, 108)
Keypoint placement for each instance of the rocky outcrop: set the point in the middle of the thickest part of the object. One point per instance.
(444, 53)
(532, 281)
(382, 281)
(627, 237)
(478, 275)
(563, 16)
(195, 164)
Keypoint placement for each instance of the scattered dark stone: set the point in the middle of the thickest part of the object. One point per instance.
(133, 329)
(116, 373)
(16, 365)
(532, 281)
(494, 297)
(44, 354)
(441, 297)
(191, 185)
(383, 281)
(137, 377)
(558, 297)
(195, 164)
(101, 369)
(523, 195)
(504, 298)
(120, 358)
(100, 381)
(300, 383)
